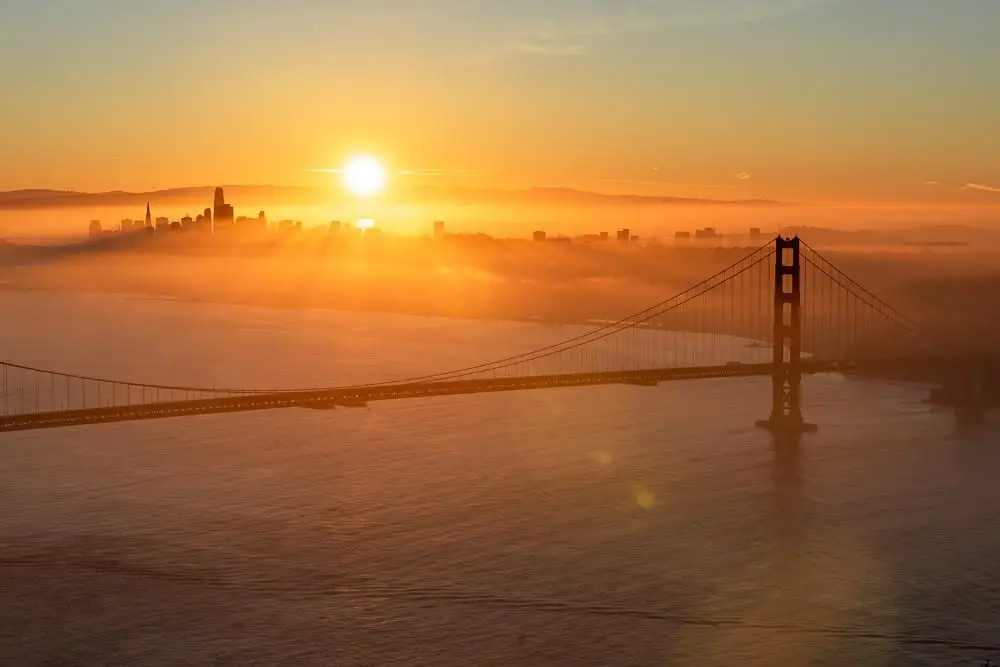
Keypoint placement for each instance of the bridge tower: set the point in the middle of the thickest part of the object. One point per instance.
(786, 371)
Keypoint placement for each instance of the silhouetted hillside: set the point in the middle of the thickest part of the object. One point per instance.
(925, 235)
(294, 195)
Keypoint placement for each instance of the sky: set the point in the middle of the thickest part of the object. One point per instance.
(798, 100)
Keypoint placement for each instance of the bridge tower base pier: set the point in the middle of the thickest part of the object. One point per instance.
(787, 427)
(786, 373)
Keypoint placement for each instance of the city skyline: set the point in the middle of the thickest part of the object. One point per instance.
(805, 100)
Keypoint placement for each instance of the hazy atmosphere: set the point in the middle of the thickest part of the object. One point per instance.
(802, 100)
(454, 332)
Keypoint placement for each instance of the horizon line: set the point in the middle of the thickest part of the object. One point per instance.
(456, 188)
(7, 202)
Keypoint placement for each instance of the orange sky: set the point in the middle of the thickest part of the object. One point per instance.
(803, 100)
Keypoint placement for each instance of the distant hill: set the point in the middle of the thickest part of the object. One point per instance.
(570, 196)
(940, 234)
(31, 195)
(291, 195)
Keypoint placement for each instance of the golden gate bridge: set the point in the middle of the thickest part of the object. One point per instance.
(784, 311)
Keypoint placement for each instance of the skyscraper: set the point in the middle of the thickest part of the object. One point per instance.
(205, 226)
(149, 216)
(224, 218)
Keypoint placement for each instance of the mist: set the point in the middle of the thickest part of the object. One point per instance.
(936, 274)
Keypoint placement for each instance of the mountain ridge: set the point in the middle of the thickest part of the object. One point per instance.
(279, 194)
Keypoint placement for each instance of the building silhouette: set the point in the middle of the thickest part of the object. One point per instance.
(439, 230)
(149, 216)
(624, 235)
(223, 217)
(246, 225)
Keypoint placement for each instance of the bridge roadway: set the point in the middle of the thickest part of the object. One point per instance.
(360, 396)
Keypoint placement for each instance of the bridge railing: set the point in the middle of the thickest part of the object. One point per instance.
(29, 390)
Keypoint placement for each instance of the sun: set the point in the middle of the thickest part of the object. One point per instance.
(364, 176)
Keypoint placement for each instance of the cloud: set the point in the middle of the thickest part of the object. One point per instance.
(550, 48)
(932, 183)
(630, 181)
(743, 176)
(465, 173)
(980, 187)
(574, 28)
(736, 12)
(552, 38)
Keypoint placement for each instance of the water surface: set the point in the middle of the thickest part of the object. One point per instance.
(593, 526)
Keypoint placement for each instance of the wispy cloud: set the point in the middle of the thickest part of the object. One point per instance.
(463, 173)
(735, 12)
(551, 49)
(932, 183)
(677, 184)
(980, 187)
(573, 29)
(743, 176)
(551, 38)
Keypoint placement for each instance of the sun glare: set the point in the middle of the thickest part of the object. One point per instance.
(364, 176)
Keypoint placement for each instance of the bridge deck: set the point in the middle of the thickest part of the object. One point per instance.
(361, 395)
